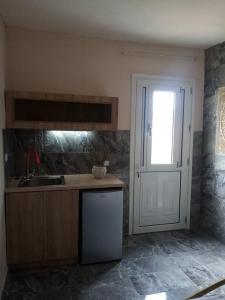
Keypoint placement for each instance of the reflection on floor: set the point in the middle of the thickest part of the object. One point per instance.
(173, 264)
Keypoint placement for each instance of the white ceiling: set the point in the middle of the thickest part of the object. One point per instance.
(194, 23)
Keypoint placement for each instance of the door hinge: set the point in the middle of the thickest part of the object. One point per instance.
(188, 161)
(185, 220)
(191, 91)
(189, 127)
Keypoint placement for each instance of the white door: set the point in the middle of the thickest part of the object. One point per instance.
(162, 147)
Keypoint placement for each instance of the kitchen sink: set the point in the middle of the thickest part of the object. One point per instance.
(42, 181)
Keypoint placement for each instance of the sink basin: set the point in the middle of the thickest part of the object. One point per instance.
(42, 181)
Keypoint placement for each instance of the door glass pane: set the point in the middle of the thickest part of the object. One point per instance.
(163, 106)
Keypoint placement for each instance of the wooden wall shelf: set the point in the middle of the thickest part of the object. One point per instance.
(60, 111)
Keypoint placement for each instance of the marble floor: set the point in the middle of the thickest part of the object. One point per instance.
(157, 266)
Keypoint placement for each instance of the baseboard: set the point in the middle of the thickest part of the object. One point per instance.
(43, 264)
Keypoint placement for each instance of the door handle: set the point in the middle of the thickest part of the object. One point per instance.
(179, 164)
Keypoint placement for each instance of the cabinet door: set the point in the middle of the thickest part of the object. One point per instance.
(25, 219)
(62, 224)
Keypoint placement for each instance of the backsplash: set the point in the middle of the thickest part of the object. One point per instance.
(70, 152)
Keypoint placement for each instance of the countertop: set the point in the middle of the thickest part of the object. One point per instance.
(72, 182)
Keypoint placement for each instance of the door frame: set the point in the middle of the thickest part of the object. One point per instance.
(134, 78)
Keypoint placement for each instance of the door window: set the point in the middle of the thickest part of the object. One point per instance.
(163, 113)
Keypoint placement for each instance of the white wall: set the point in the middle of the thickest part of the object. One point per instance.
(3, 266)
(57, 62)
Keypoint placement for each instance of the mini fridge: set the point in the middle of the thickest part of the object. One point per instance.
(101, 225)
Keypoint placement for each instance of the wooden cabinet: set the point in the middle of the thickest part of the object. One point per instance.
(42, 226)
(60, 111)
(25, 217)
(62, 224)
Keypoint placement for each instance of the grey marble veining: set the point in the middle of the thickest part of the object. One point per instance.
(149, 283)
(213, 165)
(69, 151)
(214, 69)
(196, 196)
(193, 262)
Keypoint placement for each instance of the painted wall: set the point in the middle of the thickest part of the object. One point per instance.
(3, 267)
(56, 62)
(213, 182)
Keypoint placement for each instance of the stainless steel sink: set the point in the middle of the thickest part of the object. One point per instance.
(42, 181)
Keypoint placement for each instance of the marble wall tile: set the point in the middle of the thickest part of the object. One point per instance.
(86, 142)
(67, 150)
(213, 165)
(196, 181)
(214, 69)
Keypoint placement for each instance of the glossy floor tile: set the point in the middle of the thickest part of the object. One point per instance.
(157, 266)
